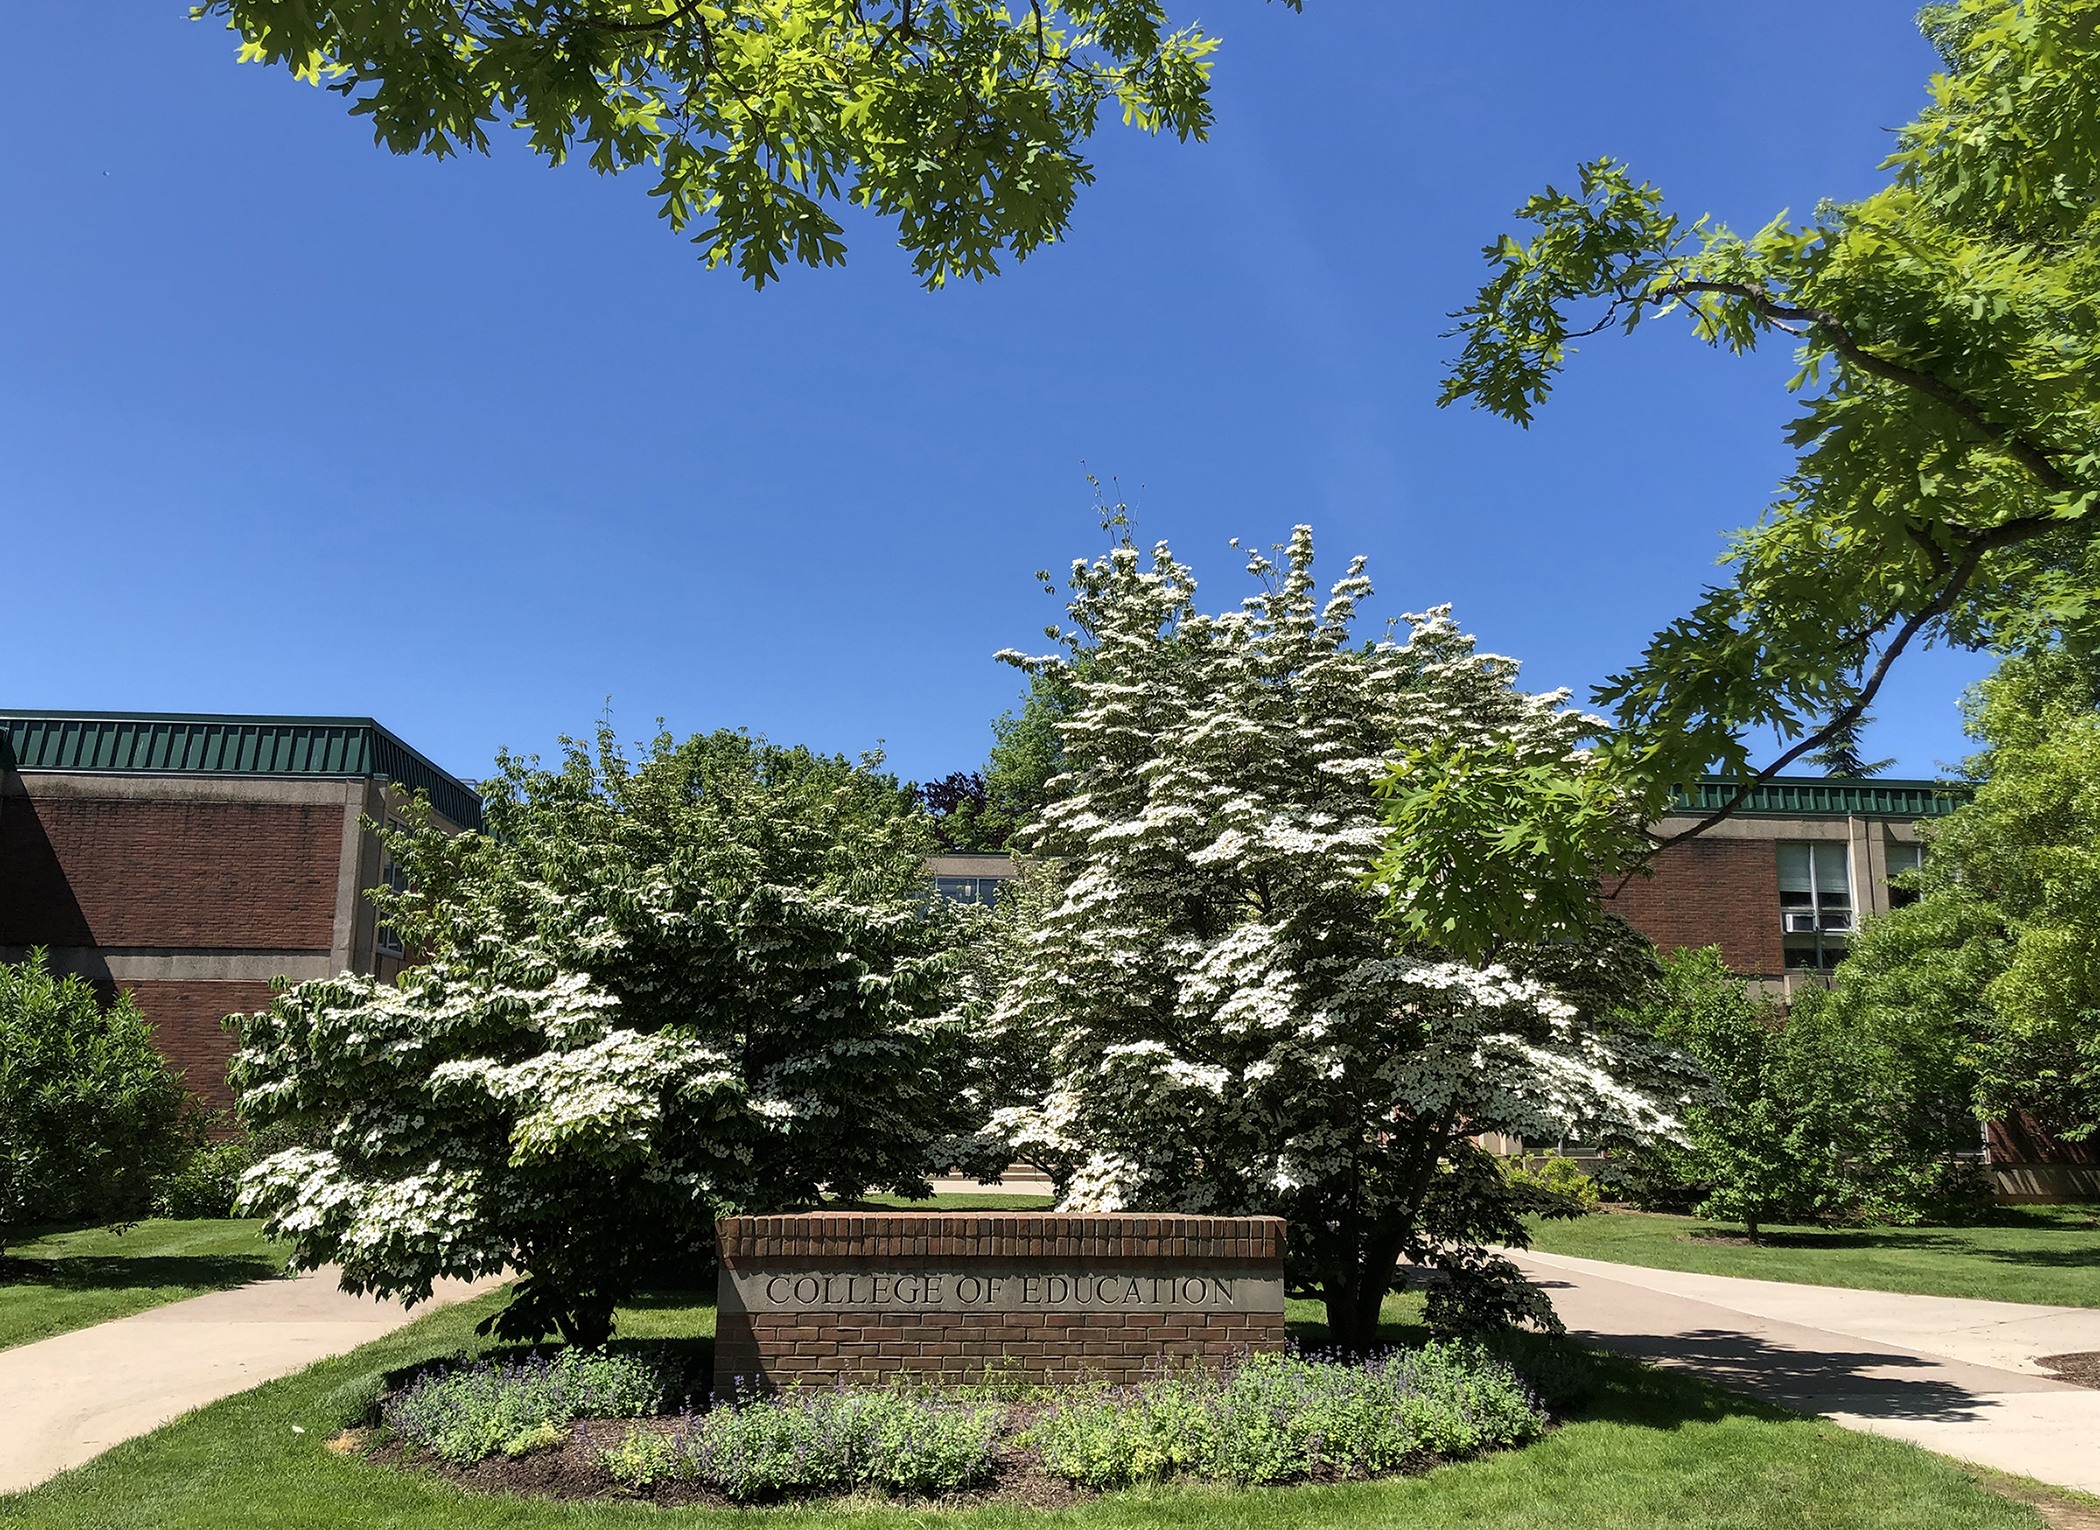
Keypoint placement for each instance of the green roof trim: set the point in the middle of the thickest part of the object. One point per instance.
(196, 744)
(1827, 796)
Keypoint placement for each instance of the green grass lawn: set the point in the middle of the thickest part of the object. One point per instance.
(2046, 1254)
(966, 1200)
(71, 1279)
(1654, 1452)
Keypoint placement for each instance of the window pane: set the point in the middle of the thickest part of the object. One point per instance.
(1801, 951)
(1794, 873)
(1904, 858)
(1833, 873)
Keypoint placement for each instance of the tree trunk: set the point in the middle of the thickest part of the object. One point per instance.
(1353, 1310)
(589, 1328)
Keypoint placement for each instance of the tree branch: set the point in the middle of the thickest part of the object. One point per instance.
(669, 19)
(1841, 720)
(2030, 456)
(1955, 575)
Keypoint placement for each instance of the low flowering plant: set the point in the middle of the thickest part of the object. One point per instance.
(464, 1414)
(1277, 1418)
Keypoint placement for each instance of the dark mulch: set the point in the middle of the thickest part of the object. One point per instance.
(2081, 1367)
(574, 1471)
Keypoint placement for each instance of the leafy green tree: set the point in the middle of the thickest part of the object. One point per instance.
(1810, 1114)
(960, 123)
(1997, 962)
(1761, 1146)
(91, 1115)
(703, 981)
(1948, 331)
(983, 809)
(1229, 1018)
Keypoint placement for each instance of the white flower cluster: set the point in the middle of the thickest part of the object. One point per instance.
(664, 990)
(1229, 1023)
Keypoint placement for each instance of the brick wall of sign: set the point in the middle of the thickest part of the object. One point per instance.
(1059, 1298)
(1722, 892)
(124, 872)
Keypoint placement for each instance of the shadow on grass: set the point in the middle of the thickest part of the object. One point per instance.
(1628, 1392)
(662, 1301)
(1312, 1336)
(108, 1272)
(1916, 1240)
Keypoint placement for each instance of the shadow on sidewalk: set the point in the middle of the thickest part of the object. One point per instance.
(1851, 1381)
(103, 1272)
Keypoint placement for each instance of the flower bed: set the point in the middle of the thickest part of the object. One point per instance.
(583, 1425)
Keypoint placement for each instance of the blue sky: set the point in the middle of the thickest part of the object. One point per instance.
(289, 424)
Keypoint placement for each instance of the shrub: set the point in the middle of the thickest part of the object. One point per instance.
(464, 1414)
(1556, 1176)
(1560, 1373)
(206, 1183)
(821, 1441)
(1812, 1115)
(91, 1115)
(1278, 1417)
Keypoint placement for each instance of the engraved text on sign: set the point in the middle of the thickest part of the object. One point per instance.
(996, 1290)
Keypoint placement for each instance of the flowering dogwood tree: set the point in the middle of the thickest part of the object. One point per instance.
(653, 993)
(1235, 1019)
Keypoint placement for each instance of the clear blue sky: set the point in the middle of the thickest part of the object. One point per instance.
(292, 425)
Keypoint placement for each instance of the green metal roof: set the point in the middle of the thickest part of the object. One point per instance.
(168, 743)
(1828, 796)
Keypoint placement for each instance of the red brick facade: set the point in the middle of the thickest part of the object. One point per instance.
(988, 1261)
(185, 1019)
(2020, 1139)
(132, 873)
(1708, 892)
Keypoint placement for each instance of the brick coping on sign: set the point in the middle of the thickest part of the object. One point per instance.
(1013, 1235)
(1056, 1296)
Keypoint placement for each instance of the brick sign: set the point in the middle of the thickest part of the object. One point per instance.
(1057, 1297)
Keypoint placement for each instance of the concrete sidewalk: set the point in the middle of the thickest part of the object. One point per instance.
(1955, 1376)
(65, 1399)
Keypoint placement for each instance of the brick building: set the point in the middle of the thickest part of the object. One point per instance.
(1782, 883)
(192, 859)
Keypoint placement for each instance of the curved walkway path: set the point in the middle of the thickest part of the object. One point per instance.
(1953, 1375)
(67, 1398)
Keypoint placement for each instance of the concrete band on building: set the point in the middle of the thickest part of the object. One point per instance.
(193, 859)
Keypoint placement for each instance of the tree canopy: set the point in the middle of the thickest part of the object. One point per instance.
(984, 809)
(1996, 965)
(961, 123)
(657, 991)
(1948, 334)
(1228, 1016)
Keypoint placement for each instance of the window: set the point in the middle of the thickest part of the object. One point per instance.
(1815, 903)
(970, 889)
(1904, 858)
